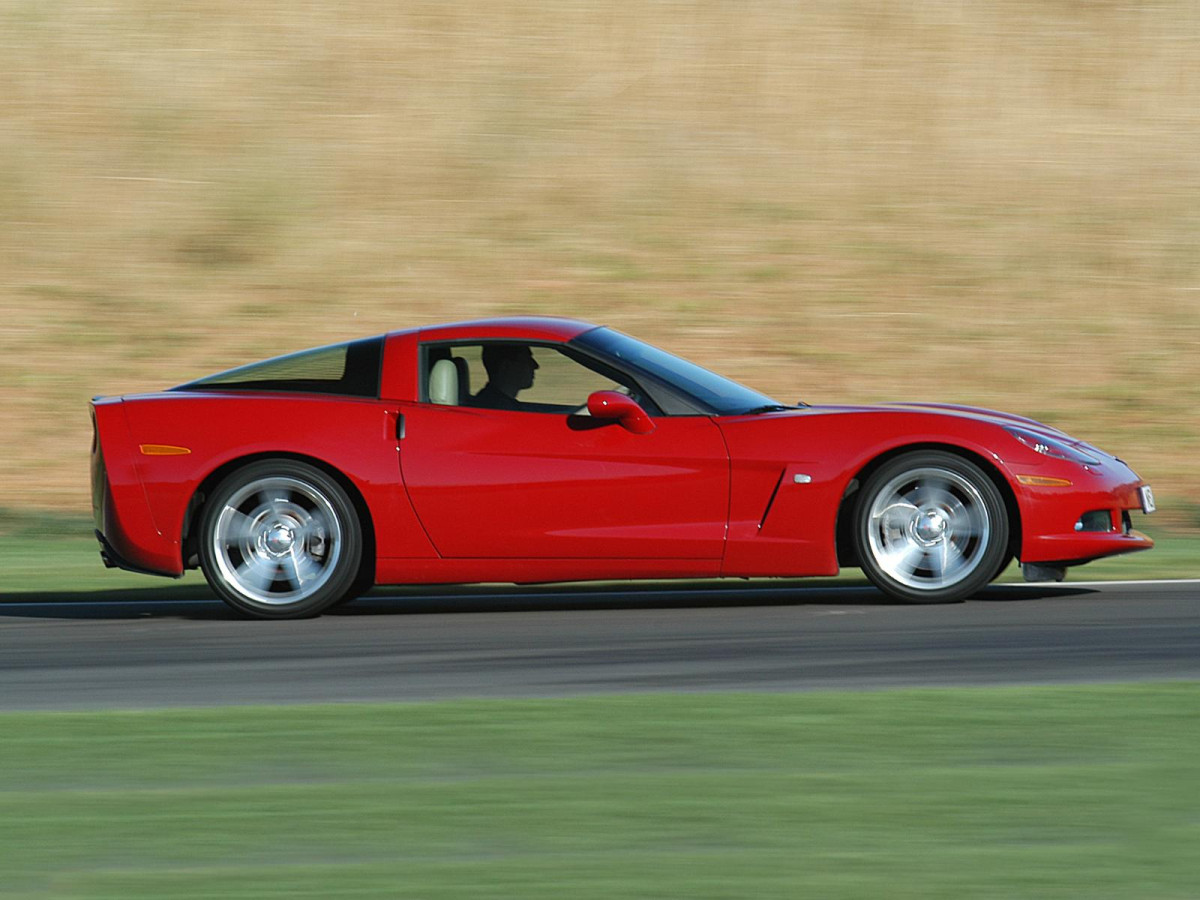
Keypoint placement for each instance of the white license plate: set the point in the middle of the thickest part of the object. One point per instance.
(1146, 496)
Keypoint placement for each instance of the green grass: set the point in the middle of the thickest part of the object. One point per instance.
(1028, 793)
(67, 565)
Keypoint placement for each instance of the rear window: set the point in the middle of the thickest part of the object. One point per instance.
(350, 369)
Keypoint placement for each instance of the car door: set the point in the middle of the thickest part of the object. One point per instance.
(547, 481)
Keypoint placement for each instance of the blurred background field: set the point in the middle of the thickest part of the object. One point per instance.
(838, 201)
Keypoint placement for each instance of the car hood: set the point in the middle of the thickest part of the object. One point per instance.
(976, 413)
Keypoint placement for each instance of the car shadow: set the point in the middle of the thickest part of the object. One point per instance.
(661, 595)
(191, 601)
(1013, 593)
(198, 602)
(608, 595)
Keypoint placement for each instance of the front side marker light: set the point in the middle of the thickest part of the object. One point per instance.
(1043, 481)
(163, 450)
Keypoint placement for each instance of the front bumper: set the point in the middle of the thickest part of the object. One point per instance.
(1072, 550)
(1088, 519)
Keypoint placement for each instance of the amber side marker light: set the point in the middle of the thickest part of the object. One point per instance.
(1043, 481)
(163, 450)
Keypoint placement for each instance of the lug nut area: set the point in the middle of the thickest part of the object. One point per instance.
(929, 526)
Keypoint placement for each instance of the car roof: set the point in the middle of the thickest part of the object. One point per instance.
(533, 328)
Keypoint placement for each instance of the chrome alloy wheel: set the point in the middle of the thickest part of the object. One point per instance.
(928, 528)
(276, 540)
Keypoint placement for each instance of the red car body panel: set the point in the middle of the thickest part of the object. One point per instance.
(356, 438)
(493, 483)
(773, 516)
(454, 494)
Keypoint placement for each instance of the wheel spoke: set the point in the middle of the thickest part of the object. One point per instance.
(270, 500)
(896, 516)
(239, 528)
(299, 568)
(903, 558)
(945, 559)
(256, 573)
(927, 492)
(290, 568)
(962, 531)
(308, 567)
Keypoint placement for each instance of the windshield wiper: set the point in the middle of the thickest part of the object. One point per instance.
(769, 407)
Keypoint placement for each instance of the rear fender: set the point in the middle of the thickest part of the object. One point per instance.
(124, 519)
(353, 440)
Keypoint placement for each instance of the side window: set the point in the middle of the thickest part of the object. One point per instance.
(350, 369)
(514, 376)
(560, 381)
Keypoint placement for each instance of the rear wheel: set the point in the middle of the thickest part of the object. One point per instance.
(931, 527)
(280, 539)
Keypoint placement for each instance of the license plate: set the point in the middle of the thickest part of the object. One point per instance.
(1146, 496)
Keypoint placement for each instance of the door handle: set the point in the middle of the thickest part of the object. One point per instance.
(393, 425)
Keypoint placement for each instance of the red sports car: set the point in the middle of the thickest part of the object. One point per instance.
(542, 449)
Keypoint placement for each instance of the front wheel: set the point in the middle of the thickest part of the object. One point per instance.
(280, 539)
(930, 527)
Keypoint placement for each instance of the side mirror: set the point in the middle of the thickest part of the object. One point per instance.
(615, 405)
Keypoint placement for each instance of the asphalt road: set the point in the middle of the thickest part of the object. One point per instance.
(179, 647)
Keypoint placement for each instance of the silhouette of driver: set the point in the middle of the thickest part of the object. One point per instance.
(510, 369)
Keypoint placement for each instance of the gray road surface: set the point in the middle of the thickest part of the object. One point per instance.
(173, 646)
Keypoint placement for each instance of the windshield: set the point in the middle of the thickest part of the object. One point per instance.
(720, 395)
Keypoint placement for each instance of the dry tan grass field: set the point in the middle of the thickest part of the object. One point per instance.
(993, 203)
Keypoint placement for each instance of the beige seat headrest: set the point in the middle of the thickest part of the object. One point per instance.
(443, 383)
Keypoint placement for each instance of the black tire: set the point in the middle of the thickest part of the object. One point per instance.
(280, 539)
(930, 527)
(363, 582)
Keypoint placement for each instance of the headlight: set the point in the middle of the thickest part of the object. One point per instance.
(1053, 447)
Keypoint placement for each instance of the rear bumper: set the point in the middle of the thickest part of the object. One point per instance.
(114, 560)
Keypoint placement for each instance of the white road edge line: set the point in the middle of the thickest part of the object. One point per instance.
(1100, 583)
